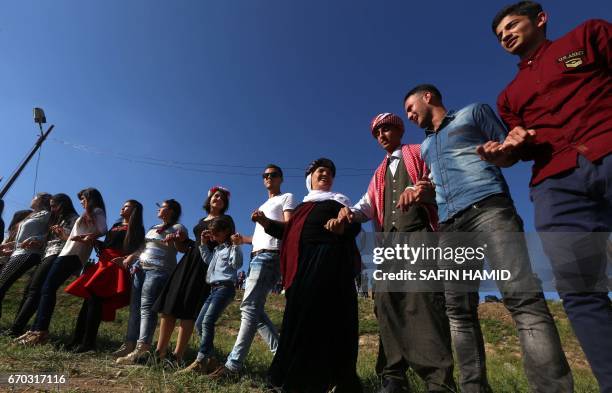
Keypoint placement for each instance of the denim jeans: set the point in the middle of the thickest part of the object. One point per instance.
(263, 275)
(63, 267)
(146, 286)
(544, 362)
(220, 297)
(567, 205)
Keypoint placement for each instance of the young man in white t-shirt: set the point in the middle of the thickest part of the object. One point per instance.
(264, 273)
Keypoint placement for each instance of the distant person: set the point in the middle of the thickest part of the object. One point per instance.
(186, 289)
(223, 264)
(8, 244)
(29, 243)
(74, 255)
(264, 272)
(558, 109)
(414, 329)
(473, 197)
(63, 218)
(150, 272)
(317, 349)
(241, 279)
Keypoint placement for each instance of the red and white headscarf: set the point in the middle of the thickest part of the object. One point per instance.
(386, 119)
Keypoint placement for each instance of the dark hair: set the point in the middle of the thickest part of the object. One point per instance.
(135, 233)
(221, 224)
(224, 197)
(45, 200)
(422, 88)
(321, 162)
(531, 9)
(176, 213)
(276, 168)
(64, 211)
(18, 216)
(94, 199)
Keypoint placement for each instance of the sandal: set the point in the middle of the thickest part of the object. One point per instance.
(35, 338)
(23, 336)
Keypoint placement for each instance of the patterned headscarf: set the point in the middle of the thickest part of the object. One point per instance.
(386, 119)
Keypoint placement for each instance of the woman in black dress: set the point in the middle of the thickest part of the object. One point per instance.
(186, 289)
(319, 337)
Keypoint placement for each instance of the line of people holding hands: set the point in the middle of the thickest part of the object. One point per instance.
(556, 112)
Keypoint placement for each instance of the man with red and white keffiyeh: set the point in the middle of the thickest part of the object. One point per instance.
(414, 329)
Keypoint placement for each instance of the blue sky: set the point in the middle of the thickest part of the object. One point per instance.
(238, 84)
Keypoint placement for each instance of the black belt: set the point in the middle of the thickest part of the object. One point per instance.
(255, 253)
(222, 284)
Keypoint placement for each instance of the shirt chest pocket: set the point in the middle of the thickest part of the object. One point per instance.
(568, 68)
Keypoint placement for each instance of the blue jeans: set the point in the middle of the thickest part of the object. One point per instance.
(495, 222)
(220, 297)
(146, 286)
(264, 274)
(577, 201)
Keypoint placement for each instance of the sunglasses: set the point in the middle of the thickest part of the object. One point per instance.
(270, 175)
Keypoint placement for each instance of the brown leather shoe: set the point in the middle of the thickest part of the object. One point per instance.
(223, 373)
(205, 366)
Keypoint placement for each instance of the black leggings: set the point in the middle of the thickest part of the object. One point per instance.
(13, 270)
(31, 295)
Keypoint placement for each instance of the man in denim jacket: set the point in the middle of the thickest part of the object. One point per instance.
(473, 198)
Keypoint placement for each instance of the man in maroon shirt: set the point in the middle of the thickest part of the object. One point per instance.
(558, 109)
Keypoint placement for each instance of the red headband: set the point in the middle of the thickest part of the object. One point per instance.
(219, 188)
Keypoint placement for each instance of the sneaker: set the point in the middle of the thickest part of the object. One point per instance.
(139, 354)
(125, 349)
(204, 366)
(223, 372)
(198, 366)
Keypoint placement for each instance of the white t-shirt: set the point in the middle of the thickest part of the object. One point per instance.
(273, 208)
(82, 227)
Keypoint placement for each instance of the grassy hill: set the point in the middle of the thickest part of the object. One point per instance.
(97, 372)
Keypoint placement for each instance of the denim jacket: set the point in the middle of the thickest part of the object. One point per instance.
(223, 262)
(461, 178)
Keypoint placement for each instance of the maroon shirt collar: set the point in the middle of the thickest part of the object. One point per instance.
(528, 61)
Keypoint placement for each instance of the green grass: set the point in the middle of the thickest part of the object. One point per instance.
(98, 373)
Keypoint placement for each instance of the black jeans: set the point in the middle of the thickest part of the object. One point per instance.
(495, 222)
(31, 295)
(61, 269)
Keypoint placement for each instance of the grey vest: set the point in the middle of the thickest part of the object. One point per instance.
(415, 219)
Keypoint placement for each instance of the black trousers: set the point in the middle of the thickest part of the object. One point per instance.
(414, 333)
(31, 295)
(88, 322)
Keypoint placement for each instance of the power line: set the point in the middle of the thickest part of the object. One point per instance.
(185, 165)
